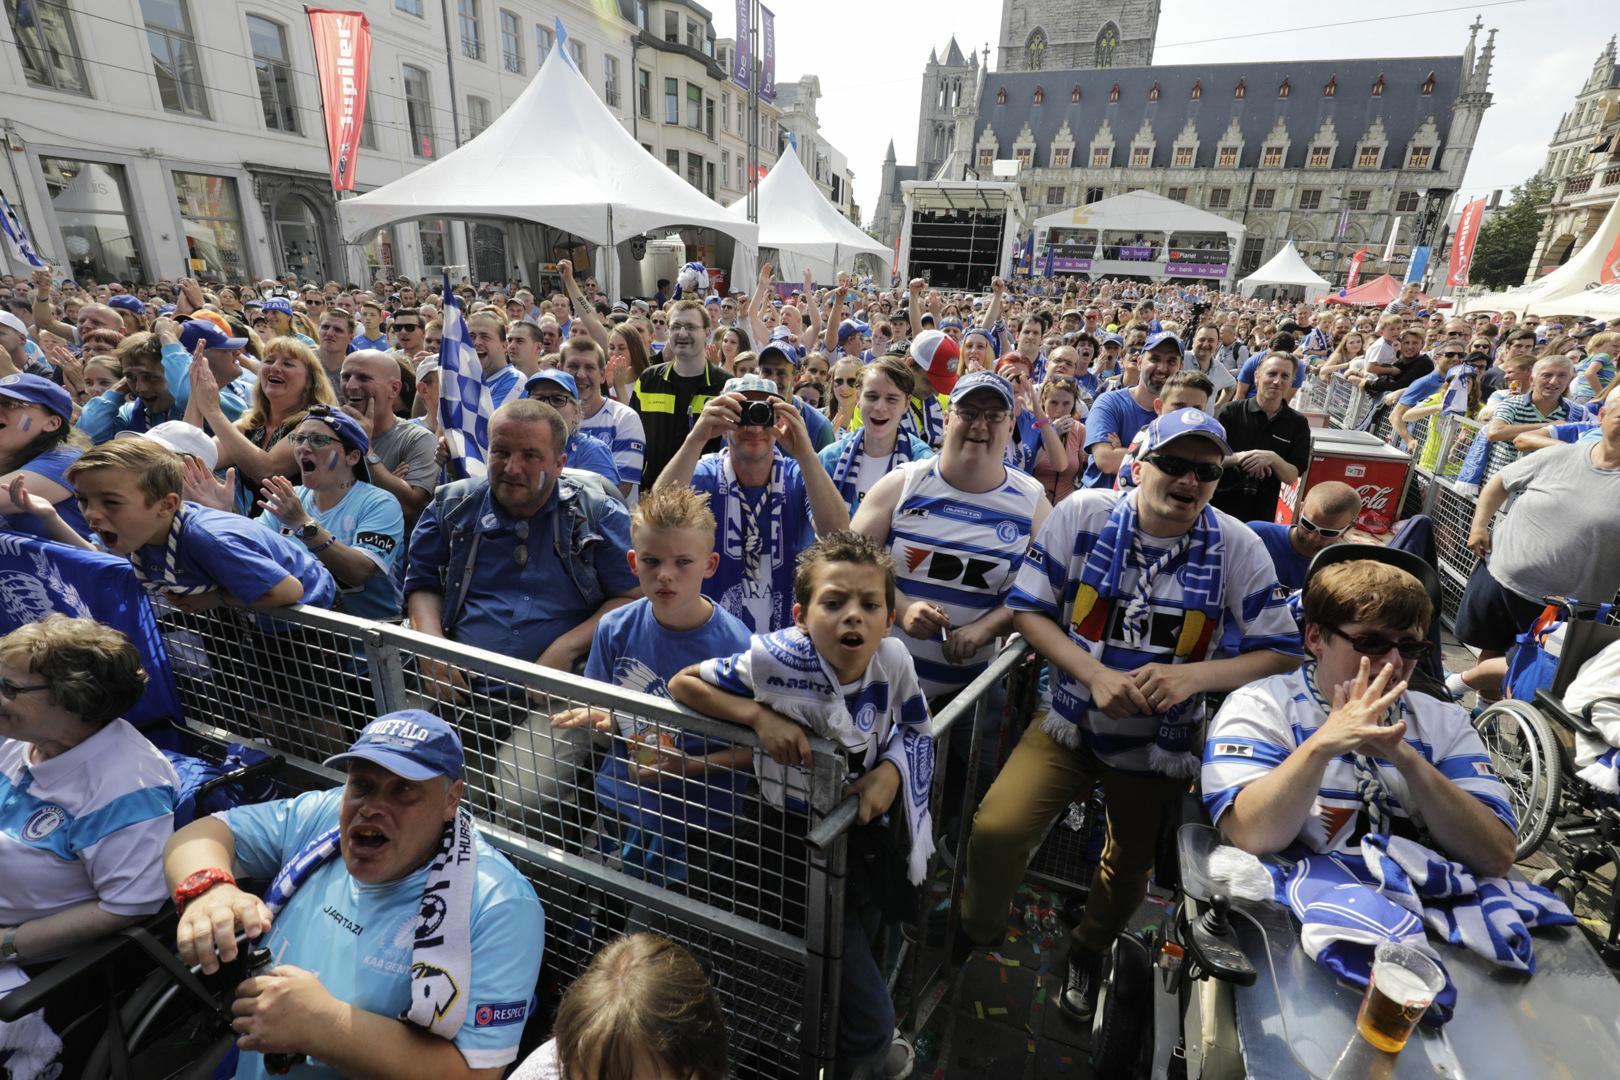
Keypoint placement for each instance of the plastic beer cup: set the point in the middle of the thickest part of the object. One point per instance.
(1403, 985)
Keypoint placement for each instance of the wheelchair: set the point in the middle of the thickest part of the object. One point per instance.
(1531, 744)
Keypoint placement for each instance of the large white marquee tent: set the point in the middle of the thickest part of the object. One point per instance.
(807, 231)
(1287, 270)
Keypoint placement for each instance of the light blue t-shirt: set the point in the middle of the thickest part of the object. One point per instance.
(1114, 413)
(593, 455)
(369, 520)
(53, 466)
(357, 938)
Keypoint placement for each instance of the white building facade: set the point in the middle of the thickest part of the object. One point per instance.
(1583, 161)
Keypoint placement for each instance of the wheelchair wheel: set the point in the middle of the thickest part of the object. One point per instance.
(169, 1036)
(1123, 1025)
(1528, 759)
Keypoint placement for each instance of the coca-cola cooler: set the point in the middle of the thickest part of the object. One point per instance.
(1362, 460)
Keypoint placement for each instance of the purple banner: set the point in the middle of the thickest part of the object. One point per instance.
(1068, 266)
(1136, 252)
(1196, 270)
(767, 35)
(742, 61)
(1195, 255)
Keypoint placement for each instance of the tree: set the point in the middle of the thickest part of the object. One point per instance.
(1508, 239)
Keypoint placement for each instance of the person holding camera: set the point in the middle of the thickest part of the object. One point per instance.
(770, 496)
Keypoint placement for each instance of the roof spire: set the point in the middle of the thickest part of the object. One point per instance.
(889, 157)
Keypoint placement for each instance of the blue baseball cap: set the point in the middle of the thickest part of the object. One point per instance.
(1105, 339)
(278, 303)
(1162, 337)
(552, 375)
(128, 303)
(410, 743)
(38, 391)
(1179, 424)
(210, 335)
(850, 327)
(348, 431)
(979, 331)
(983, 380)
(168, 309)
(783, 347)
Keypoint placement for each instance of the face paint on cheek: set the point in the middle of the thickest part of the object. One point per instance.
(332, 459)
(27, 423)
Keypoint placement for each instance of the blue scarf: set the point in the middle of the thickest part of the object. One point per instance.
(1198, 562)
(846, 471)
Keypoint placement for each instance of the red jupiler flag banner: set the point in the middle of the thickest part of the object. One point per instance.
(342, 62)
(1462, 246)
(1355, 269)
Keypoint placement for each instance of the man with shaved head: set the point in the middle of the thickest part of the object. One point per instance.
(1327, 515)
(369, 388)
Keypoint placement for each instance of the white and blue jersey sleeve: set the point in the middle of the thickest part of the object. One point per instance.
(621, 428)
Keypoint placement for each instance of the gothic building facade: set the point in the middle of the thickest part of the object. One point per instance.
(1583, 161)
(1057, 35)
(1331, 154)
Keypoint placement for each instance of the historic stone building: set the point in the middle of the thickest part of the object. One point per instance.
(1583, 160)
(1056, 35)
(1331, 154)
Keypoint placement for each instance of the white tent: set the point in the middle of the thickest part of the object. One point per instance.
(1142, 212)
(1585, 285)
(806, 230)
(1286, 269)
(556, 156)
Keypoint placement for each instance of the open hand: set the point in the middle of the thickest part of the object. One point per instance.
(1356, 721)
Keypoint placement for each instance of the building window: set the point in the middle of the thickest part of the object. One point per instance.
(672, 32)
(1040, 95)
(1367, 157)
(1419, 158)
(1310, 199)
(1023, 154)
(511, 43)
(577, 51)
(1001, 96)
(543, 40)
(1141, 157)
(419, 110)
(409, 7)
(694, 106)
(1178, 194)
(987, 159)
(472, 30)
(1332, 86)
(672, 102)
(1113, 93)
(275, 74)
(708, 117)
(1321, 157)
(1282, 91)
(174, 57)
(1093, 194)
(610, 80)
(644, 92)
(213, 234)
(1153, 92)
(1271, 157)
(1184, 157)
(672, 158)
(725, 166)
(1107, 42)
(1406, 202)
(1055, 196)
(1074, 95)
(1198, 90)
(694, 170)
(1101, 157)
(98, 233)
(725, 109)
(1428, 85)
(1359, 200)
(1378, 87)
(1227, 157)
(368, 131)
(1240, 90)
(433, 240)
(1220, 198)
(1061, 156)
(1035, 50)
(1265, 198)
(1253, 248)
(708, 172)
(47, 45)
(477, 115)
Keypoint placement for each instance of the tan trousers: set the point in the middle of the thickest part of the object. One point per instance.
(1039, 781)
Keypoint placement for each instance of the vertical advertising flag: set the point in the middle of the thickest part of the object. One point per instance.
(742, 56)
(1419, 264)
(1394, 230)
(767, 37)
(342, 62)
(1355, 268)
(1462, 244)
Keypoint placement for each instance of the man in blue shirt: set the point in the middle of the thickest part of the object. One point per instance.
(1328, 513)
(1118, 415)
(157, 369)
(777, 363)
(559, 390)
(371, 334)
(363, 986)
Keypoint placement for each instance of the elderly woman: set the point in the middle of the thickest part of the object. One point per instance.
(90, 803)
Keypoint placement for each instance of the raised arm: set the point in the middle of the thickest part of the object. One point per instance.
(584, 310)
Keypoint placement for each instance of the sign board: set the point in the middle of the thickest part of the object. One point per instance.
(1004, 167)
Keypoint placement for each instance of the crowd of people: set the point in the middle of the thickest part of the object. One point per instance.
(806, 511)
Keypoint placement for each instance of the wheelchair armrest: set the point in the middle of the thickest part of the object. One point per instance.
(63, 975)
(1553, 707)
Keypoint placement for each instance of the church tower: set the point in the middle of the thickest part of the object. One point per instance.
(948, 83)
(1052, 35)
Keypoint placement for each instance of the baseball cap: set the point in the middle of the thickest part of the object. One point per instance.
(411, 743)
(1160, 338)
(348, 431)
(1182, 422)
(936, 354)
(428, 365)
(38, 391)
(279, 303)
(982, 380)
(782, 347)
(715, 300)
(206, 332)
(752, 384)
(552, 375)
(979, 331)
(1106, 340)
(127, 302)
(12, 323)
(849, 327)
(183, 438)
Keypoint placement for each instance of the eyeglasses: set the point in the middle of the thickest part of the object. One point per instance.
(556, 401)
(1174, 467)
(314, 440)
(520, 554)
(1310, 526)
(846, 382)
(1453, 355)
(1377, 645)
(973, 416)
(11, 691)
(407, 328)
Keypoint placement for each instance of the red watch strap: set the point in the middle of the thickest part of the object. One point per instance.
(200, 882)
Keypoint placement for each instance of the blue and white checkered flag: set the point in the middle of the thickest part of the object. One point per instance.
(22, 248)
(465, 404)
(1455, 400)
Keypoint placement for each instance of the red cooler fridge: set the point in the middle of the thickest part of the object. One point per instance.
(1378, 471)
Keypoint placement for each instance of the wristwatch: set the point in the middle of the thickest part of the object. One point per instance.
(373, 458)
(8, 944)
(199, 883)
(308, 530)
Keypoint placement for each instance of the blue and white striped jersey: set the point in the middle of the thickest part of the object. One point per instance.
(960, 550)
(1262, 723)
(620, 428)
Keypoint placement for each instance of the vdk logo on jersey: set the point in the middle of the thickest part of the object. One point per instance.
(42, 822)
(972, 571)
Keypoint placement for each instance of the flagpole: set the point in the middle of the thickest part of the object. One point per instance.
(753, 111)
(455, 124)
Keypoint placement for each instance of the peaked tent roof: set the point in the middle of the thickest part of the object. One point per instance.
(1562, 292)
(1141, 211)
(1380, 291)
(1286, 268)
(556, 156)
(806, 229)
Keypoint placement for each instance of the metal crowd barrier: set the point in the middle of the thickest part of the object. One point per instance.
(709, 865)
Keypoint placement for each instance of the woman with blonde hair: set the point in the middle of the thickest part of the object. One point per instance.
(1351, 347)
(626, 360)
(845, 379)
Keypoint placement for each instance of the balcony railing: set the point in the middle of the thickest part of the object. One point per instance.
(1578, 185)
(513, 62)
(472, 48)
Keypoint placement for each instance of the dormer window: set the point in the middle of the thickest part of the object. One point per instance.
(1428, 85)
(1001, 96)
(1331, 88)
(1282, 91)
(1074, 95)
(1040, 95)
(1198, 90)
(1378, 86)
(1113, 95)
(1240, 90)
(1153, 92)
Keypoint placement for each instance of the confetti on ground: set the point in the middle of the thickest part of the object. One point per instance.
(1003, 976)
(1004, 961)
(978, 1009)
(996, 1010)
(1030, 1048)
(1040, 997)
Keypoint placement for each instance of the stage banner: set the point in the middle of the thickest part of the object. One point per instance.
(1462, 244)
(742, 57)
(767, 37)
(342, 61)
(1355, 269)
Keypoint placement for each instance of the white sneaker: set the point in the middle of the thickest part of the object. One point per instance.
(901, 1060)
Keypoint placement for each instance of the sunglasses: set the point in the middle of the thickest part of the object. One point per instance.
(1376, 645)
(1310, 526)
(408, 328)
(1176, 467)
(846, 382)
(1453, 355)
(520, 554)
(11, 691)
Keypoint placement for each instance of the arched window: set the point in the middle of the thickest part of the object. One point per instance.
(1240, 90)
(1001, 96)
(1282, 91)
(1428, 85)
(1035, 49)
(1107, 43)
(1074, 95)
(1040, 95)
(1113, 95)
(1198, 90)
(1378, 86)
(1332, 87)
(1153, 92)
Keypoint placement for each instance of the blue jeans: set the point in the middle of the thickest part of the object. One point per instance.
(865, 1011)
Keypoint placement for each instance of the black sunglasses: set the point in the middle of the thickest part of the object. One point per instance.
(1377, 645)
(1453, 355)
(1174, 467)
(1310, 526)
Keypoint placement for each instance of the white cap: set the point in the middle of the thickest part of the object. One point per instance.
(185, 440)
(11, 322)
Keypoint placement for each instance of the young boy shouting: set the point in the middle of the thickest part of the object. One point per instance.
(837, 674)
